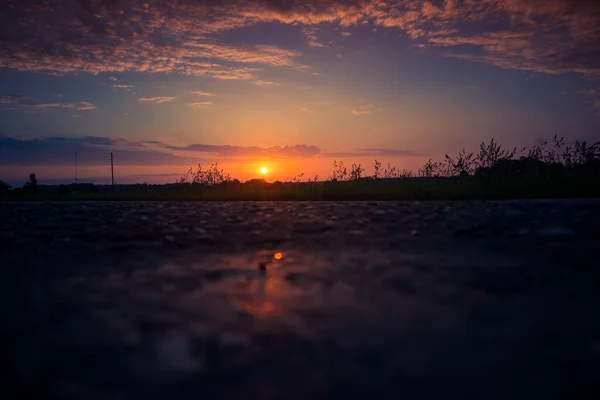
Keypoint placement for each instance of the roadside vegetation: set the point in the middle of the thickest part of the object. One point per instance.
(546, 170)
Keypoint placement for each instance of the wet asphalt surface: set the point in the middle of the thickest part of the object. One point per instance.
(294, 300)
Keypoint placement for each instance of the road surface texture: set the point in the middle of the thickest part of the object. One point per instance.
(298, 300)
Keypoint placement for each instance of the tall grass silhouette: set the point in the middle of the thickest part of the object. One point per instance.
(548, 169)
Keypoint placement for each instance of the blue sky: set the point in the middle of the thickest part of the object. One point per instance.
(288, 84)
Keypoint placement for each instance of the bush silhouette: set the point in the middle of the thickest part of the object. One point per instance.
(4, 187)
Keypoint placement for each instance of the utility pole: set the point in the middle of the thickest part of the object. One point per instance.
(76, 180)
(112, 171)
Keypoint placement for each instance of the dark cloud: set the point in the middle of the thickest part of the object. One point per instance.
(91, 140)
(253, 151)
(95, 150)
(91, 150)
(30, 102)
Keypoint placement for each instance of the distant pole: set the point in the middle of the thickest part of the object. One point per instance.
(112, 171)
(76, 180)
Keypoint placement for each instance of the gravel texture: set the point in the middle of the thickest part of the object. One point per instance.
(296, 300)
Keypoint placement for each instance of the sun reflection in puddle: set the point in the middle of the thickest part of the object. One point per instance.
(261, 301)
(264, 289)
(268, 293)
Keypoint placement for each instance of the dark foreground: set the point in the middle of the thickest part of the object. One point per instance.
(369, 300)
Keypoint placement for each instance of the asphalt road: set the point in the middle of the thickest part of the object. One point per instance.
(295, 300)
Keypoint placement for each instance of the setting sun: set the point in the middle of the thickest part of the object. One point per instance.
(264, 170)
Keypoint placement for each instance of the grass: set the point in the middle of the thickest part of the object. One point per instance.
(440, 188)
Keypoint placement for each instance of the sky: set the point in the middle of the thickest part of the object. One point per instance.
(291, 85)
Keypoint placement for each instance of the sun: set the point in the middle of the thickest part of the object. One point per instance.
(264, 170)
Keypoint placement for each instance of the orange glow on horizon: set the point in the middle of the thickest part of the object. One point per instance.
(242, 168)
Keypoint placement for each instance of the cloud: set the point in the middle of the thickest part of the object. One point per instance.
(126, 87)
(311, 34)
(265, 83)
(200, 104)
(134, 35)
(549, 36)
(95, 150)
(204, 94)
(30, 102)
(89, 140)
(363, 110)
(346, 34)
(247, 54)
(157, 100)
(80, 106)
(299, 150)
(91, 151)
(364, 153)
